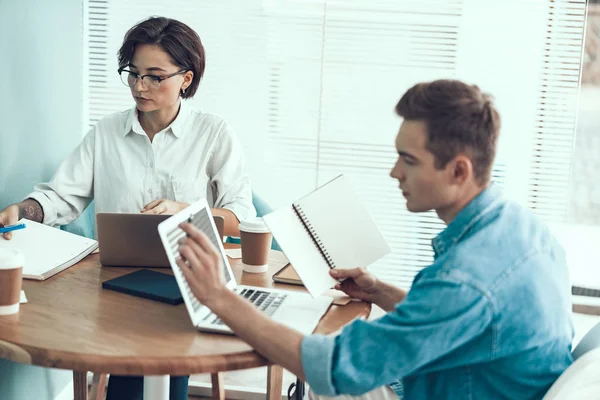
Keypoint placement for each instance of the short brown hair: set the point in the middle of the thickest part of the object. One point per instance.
(180, 41)
(459, 118)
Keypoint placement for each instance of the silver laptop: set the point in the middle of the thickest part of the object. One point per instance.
(297, 310)
(131, 240)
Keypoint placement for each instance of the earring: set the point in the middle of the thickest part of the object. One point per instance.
(182, 92)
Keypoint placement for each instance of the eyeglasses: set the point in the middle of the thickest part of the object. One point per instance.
(130, 78)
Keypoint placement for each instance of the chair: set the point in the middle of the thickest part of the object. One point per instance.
(85, 224)
(589, 342)
(581, 380)
(262, 209)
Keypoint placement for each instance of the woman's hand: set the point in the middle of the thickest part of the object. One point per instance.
(163, 206)
(9, 216)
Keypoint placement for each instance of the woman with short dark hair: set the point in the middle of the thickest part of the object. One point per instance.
(157, 157)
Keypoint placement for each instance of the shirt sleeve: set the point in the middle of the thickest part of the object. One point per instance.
(71, 188)
(436, 317)
(229, 176)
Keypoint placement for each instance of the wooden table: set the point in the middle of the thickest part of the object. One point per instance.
(70, 322)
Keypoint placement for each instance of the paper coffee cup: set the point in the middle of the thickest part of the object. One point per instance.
(256, 245)
(11, 278)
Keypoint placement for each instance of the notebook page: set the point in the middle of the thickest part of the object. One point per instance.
(300, 250)
(47, 249)
(344, 226)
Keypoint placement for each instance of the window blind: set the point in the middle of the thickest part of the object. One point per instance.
(310, 87)
(556, 111)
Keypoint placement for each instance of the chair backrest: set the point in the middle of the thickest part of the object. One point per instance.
(262, 208)
(580, 381)
(85, 224)
(589, 342)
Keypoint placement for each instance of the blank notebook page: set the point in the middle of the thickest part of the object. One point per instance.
(342, 222)
(300, 250)
(46, 248)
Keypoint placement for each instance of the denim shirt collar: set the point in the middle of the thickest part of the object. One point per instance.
(458, 227)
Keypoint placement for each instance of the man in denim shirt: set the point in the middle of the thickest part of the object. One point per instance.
(489, 319)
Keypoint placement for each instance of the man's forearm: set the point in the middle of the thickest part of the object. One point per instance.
(31, 209)
(388, 296)
(279, 344)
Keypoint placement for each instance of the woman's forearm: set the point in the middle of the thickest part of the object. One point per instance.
(232, 223)
(32, 210)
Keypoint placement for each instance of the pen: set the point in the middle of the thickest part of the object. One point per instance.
(11, 228)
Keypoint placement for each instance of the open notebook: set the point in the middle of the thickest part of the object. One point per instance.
(47, 250)
(328, 228)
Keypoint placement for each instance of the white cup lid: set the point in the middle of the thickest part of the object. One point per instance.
(254, 225)
(11, 258)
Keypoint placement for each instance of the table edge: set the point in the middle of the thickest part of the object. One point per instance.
(125, 365)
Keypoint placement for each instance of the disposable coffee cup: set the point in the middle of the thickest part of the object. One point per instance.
(256, 245)
(11, 279)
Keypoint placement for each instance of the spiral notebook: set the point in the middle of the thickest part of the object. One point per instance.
(48, 250)
(328, 228)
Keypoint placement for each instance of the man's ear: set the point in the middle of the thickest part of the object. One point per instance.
(462, 168)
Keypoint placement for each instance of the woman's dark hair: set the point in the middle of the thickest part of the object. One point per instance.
(459, 118)
(180, 41)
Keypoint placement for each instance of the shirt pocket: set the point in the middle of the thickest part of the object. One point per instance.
(187, 190)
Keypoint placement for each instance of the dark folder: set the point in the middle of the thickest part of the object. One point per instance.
(147, 284)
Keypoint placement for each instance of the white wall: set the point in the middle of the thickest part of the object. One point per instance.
(41, 66)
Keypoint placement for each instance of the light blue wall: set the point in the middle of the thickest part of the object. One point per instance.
(41, 67)
(41, 73)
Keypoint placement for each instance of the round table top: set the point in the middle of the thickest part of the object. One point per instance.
(70, 322)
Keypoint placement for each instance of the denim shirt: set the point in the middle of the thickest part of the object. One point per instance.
(489, 319)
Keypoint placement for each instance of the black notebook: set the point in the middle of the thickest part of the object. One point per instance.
(147, 284)
(328, 228)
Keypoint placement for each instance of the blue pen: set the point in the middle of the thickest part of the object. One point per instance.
(11, 228)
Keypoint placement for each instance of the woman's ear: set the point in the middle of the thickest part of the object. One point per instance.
(187, 80)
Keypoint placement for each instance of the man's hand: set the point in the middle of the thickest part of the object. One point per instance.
(163, 206)
(359, 284)
(201, 265)
(356, 283)
(9, 216)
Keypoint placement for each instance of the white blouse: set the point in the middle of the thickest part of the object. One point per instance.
(197, 156)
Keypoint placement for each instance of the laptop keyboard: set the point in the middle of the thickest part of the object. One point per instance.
(267, 302)
(583, 291)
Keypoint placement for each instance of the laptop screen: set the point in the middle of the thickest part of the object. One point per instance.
(199, 214)
(202, 220)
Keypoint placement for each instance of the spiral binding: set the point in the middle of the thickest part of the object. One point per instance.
(313, 235)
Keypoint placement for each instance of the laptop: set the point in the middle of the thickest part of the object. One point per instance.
(131, 240)
(299, 311)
